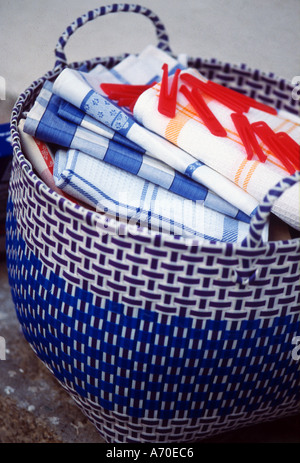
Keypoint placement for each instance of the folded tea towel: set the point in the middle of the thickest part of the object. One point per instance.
(72, 87)
(226, 155)
(144, 69)
(40, 156)
(245, 173)
(127, 197)
(44, 123)
(70, 113)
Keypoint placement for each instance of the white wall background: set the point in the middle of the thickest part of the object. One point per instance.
(264, 34)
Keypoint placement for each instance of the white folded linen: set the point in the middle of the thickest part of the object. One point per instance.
(225, 155)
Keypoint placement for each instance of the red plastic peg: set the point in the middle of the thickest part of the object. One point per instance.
(124, 94)
(268, 137)
(289, 147)
(248, 137)
(200, 106)
(232, 99)
(168, 99)
(216, 92)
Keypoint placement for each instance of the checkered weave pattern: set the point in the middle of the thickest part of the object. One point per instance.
(157, 339)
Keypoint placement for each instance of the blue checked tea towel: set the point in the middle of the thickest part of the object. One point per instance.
(124, 196)
(53, 120)
(72, 87)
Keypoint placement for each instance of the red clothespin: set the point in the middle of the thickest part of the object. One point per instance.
(124, 94)
(232, 99)
(268, 137)
(167, 100)
(243, 99)
(216, 91)
(118, 90)
(200, 106)
(289, 147)
(248, 137)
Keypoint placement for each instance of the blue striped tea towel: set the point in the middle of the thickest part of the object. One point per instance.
(53, 120)
(125, 196)
(72, 87)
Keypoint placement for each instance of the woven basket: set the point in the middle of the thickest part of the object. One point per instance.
(156, 339)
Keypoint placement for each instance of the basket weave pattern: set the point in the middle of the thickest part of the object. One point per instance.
(155, 338)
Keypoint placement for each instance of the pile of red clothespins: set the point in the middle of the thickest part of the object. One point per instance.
(280, 144)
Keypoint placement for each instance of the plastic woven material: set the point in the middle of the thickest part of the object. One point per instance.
(156, 339)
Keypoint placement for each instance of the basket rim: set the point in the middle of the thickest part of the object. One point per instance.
(94, 217)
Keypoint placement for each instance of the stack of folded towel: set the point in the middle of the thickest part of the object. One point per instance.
(168, 174)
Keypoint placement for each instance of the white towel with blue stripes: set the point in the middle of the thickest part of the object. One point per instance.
(53, 120)
(73, 88)
(126, 197)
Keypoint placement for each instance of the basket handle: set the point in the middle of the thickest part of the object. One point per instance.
(247, 272)
(259, 220)
(162, 36)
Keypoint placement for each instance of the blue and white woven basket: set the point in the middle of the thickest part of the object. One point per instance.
(156, 339)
